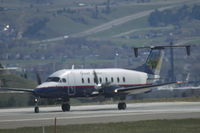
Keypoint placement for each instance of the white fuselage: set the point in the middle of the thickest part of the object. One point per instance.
(85, 77)
(81, 82)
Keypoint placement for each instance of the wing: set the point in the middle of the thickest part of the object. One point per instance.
(141, 89)
(16, 89)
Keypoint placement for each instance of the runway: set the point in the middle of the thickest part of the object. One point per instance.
(24, 117)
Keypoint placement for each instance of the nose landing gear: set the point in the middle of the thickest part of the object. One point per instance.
(36, 100)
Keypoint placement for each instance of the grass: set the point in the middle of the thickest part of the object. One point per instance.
(69, 62)
(15, 99)
(62, 24)
(13, 80)
(23, 63)
(121, 11)
(135, 24)
(137, 42)
(150, 126)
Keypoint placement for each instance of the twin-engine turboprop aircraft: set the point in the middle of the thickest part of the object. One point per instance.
(67, 83)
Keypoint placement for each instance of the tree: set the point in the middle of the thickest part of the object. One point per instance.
(33, 30)
(196, 12)
(11, 102)
(155, 18)
(107, 7)
(174, 17)
(96, 12)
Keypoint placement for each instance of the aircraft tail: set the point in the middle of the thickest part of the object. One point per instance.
(154, 61)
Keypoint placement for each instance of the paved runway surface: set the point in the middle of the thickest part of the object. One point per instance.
(24, 117)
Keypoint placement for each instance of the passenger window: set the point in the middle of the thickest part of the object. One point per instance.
(124, 80)
(106, 79)
(118, 79)
(112, 80)
(100, 80)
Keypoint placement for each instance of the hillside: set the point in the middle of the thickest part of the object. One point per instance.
(15, 99)
(48, 35)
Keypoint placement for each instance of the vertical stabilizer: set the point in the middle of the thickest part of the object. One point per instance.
(154, 62)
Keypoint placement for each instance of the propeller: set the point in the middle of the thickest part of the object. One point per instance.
(1, 66)
(96, 80)
(100, 87)
(39, 81)
(24, 74)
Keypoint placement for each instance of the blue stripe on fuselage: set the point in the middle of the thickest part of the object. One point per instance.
(63, 91)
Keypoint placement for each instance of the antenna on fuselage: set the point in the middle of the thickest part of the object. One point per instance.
(73, 67)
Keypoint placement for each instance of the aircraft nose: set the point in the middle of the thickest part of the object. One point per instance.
(41, 90)
(38, 91)
(49, 90)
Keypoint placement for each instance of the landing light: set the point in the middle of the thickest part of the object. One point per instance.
(180, 82)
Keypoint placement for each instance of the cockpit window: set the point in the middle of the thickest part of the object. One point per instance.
(53, 79)
(64, 80)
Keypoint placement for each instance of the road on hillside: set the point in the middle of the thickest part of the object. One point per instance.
(115, 22)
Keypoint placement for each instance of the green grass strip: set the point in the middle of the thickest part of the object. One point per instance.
(150, 126)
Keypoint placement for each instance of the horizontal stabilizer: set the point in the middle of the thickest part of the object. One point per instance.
(162, 47)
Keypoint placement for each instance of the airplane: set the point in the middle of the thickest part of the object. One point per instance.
(110, 82)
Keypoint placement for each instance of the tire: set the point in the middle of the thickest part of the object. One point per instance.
(65, 107)
(36, 109)
(121, 106)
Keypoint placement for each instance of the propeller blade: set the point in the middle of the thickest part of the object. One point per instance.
(39, 81)
(1, 66)
(96, 80)
(24, 75)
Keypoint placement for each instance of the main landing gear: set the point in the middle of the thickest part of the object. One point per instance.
(122, 106)
(65, 106)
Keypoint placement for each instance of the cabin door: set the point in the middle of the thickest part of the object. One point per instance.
(71, 84)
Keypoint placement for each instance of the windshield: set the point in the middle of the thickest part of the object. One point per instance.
(53, 79)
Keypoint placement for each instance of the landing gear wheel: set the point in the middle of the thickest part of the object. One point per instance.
(65, 107)
(121, 106)
(37, 109)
